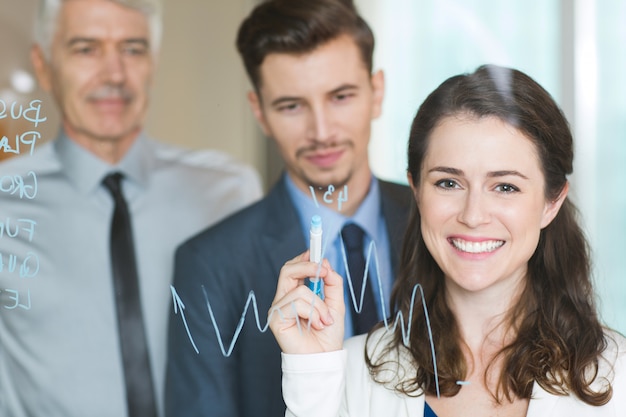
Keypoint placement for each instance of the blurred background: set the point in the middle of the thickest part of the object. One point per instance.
(575, 48)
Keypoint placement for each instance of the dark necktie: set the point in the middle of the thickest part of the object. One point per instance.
(134, 347)
(352, 236)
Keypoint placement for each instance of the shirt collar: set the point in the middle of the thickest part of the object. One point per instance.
(369, 212)
(86, 171)
(366, 216)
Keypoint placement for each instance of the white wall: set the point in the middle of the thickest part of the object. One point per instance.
(200, 92)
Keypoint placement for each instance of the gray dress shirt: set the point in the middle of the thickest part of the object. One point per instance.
(59, 349)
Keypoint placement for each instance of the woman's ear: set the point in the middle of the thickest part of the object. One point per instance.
(552, 208)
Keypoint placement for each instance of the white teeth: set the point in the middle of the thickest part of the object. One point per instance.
(477, 247)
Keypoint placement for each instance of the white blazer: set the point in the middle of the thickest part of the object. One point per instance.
(339, 384)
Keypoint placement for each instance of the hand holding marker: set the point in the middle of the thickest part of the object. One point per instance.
(315, 247)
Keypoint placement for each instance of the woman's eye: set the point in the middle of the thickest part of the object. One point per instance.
(446, 184)
(507, 188)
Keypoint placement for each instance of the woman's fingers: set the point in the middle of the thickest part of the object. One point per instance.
(294, 271)
(321, 320)
(333, 289)
(304, 304)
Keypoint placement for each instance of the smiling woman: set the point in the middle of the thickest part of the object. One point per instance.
(504, 266)
(482, 204)
(507, 150)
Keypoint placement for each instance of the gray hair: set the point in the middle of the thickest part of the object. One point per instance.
(48, 12)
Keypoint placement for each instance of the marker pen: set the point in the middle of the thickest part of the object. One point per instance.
(315, 247)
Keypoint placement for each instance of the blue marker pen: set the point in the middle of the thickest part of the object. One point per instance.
(315, 247)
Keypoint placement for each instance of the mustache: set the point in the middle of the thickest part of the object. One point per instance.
(322, 146)
(111, 92)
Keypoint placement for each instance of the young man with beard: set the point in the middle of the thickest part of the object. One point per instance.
(315, 95)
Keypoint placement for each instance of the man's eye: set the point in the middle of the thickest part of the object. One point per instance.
(135, 50)
(84, 50)
(289, 107)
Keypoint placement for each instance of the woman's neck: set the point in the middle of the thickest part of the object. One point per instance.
(484, 318)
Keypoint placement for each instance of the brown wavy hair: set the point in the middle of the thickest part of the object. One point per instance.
(558, 336)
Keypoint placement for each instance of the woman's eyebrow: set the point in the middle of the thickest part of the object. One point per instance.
(491, 174)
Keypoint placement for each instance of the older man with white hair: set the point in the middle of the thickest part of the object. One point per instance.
(85, 283)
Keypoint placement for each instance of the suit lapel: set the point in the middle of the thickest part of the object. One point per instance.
(396, 206)
(282, 232)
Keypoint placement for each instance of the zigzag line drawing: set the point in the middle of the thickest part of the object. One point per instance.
(179, 308)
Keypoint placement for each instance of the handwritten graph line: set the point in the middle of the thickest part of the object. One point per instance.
(179, 308)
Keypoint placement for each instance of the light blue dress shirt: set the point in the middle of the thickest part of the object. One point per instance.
(370, 218)
(59, 348)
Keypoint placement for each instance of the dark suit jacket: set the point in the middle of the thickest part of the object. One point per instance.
(241, 254)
